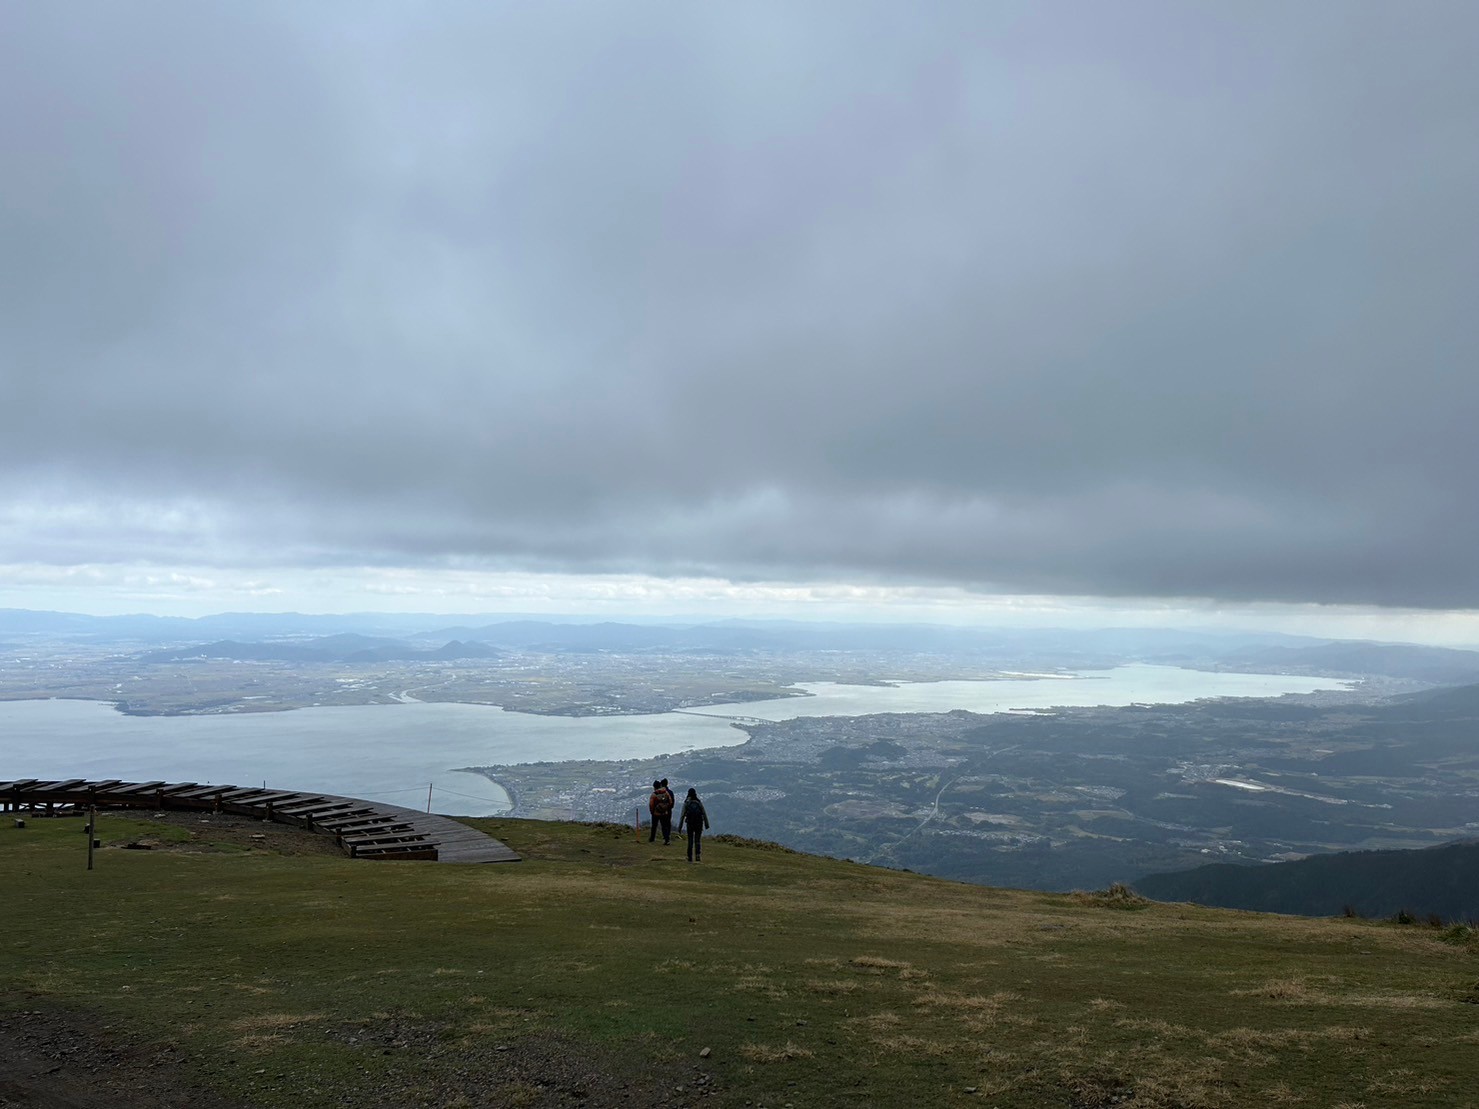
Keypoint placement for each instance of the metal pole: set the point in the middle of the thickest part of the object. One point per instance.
(92, 823)
(428, 795)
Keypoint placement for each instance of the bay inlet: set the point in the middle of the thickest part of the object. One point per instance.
(394, 752)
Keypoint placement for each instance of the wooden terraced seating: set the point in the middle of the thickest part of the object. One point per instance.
(363, 829)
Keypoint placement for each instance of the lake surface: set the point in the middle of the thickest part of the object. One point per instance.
(393, 752)
(1124, 685)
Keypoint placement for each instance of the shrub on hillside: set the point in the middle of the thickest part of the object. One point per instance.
(1117, 896)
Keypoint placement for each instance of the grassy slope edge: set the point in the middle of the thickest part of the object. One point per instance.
(601, 967)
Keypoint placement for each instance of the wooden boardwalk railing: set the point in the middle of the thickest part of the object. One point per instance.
(364, 829)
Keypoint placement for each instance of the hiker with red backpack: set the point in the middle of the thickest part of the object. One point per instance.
(660, 805)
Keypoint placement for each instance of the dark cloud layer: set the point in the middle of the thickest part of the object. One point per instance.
(1146, 299)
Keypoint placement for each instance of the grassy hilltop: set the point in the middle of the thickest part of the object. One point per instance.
(225, 969)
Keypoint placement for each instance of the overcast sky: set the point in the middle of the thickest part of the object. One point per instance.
(1139, 302)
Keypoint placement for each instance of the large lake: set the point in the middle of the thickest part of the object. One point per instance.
(393, 752)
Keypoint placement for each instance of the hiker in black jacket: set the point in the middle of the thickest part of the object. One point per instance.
(697, 820)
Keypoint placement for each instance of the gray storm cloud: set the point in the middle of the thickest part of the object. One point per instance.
(1145, 300)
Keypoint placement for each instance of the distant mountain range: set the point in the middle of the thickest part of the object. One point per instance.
(1442, 880)
(334, 648)
(1442, 665)
(577, 633)
(388, 636)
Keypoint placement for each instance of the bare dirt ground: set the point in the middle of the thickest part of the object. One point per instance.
(214, 831)
(51, 1059)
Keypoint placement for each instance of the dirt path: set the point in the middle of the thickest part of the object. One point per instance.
(55, 1059)
(49, 1060)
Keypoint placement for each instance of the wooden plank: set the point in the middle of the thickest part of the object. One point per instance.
(181, 787)
(389, 837)
(343, 808)
(62, 791)
(365, 814)
(131, 790)
(243, 793)
(391, 854)
(309, 820)
(350, 819)
(277, 796)
(257, 805)
(199, 792)
(360, 824)
(398, 837)
(383, 841)
(317, 804)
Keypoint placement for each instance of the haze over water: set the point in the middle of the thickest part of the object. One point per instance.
(392, 752)
(1124, 685)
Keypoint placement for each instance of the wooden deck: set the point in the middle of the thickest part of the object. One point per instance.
(363, 829)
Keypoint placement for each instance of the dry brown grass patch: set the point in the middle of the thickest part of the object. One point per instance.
(968, 1002)
(1281, 1094)
(1300, 991)
(968, 927)
(831, 987)
(1254, 1039)
(1393, 1000)
(1402, 1083)
(753, 983)
(492, 1022)
(1184, 1092)
(883, 1019)
(1295, 990)
(1342, 1033)
(914, 1045)
(976, 1013)
(261, 1022)
(1161, 1028)
(764, 1053)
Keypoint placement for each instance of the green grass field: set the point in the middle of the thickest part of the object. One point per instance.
(602, 967)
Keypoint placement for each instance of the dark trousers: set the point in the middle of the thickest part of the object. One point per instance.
(666, 823)
(695, 844)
